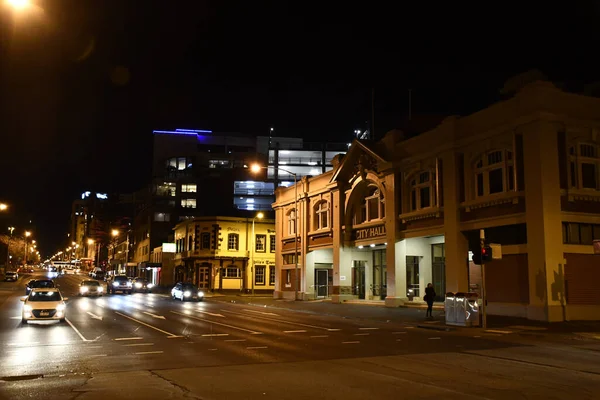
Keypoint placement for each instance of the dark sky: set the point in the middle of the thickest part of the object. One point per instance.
(84, 82)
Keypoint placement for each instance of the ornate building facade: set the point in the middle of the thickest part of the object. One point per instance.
(395, 215)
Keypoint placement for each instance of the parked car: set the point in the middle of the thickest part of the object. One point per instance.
(186, 291)
(142, 285)
(119, 283)
(11, 276)
(44, 304)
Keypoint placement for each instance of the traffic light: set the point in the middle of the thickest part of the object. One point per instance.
(481, 255)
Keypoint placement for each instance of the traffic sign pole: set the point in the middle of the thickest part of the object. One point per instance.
(483, 294)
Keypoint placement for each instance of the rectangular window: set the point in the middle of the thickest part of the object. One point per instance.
(588, 175)
(496, 183)
(413, 200)
(261, 243)
(289, 258)
(288, 277)
(479, 184)
(272, 243)
(188, 188)
(259, 274)
(585, 233)
(511, 178)
(573, 234)
(425, 195)
(233, 242)
(271, 275)
(166, 189)
(162, 217)
(205, 243)
(232, 272)
(573, 174)
(188, 203)
(373, 208)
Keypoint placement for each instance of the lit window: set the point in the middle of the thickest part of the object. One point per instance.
(259, 274)
(166, 189)
(422, 191)
(584, 166)
(272, 243)
(188, 203)
(322, 215)
(291, 216)
(162, 217)
(494, 173)
(179, 163)
(189, 188)
(233, 242)
(261, 243)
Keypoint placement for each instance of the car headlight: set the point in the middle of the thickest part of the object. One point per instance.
(138, 285)
(60, 307)
(27, 308)
(115, 283)
(187, 293)
(83, 289)
(150, 285)
(200, 294)
(129, 284)
(100, 289)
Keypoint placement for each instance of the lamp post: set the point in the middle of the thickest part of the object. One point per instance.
(10, 229)
(114, 233)
(259, 216)
(256, 168)
(27, 234)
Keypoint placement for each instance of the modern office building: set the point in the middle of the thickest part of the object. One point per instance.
(397, 214)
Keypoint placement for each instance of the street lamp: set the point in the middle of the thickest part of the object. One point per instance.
(27, 234)
(3, 207)
(260, 215)
(256, 168)
(18, 4)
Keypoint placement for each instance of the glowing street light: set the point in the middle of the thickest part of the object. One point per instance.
(3, 207)
(260, 215)
(18, 4)
(114, 232)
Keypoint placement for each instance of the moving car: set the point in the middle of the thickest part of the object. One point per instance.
(142, 285)
(90, 288)
(39, 284)
(119, 283)
(11, 276)
(43, 305)
(186, 291)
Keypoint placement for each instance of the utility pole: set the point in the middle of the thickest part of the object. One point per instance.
(483, 294)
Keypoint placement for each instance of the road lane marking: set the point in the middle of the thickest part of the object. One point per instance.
(16, 318)
(497, 331)
(215, 334)
(398, 333)
(94, 316)
(282, 321)
(77, 331)
(319, 336)
(129, 338)
(298, 331)
(368, 329)
(175, 337)
(209, 313)
(98, 355)
(23, 344)
(138, 344)
(361, 334)
(139, 353)
(434, 338)
(212, 349)
(218, 323)
(147, 325)
(354, 342)
(262, 312)
(256, 347)
(398, 340)
(154, 315)
(235, 340)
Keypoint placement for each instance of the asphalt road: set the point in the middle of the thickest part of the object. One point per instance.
(150, 346)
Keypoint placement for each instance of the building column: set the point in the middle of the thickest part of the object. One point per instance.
(394, 292)
(303, 227)
(545, 256)
(456, 244)
(279, 218)
(337, 211)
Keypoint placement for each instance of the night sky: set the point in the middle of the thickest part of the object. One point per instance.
(84, 83)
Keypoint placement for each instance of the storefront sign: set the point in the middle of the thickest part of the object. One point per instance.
(369, 233)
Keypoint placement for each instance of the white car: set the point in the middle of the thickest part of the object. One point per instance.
(44, 304)
(186, 291)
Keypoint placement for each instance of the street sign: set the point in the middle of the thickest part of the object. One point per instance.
(496, 251)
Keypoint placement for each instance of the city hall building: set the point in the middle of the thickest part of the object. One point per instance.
(395, 215)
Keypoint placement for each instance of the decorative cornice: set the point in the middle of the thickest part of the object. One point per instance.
(428, 213)
(493, 200)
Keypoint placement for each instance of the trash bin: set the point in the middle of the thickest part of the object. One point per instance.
(471, 309)
(449, 309)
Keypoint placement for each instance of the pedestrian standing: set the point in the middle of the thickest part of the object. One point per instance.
(429, 298)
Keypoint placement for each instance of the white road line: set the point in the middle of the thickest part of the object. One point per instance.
(175, 337)
(212, 349)
(361, 334)
(215, 334)
(262, 312)
(209, 313)
(98, 355)
(15, 318)
(256, 347)
(129, 338)
(368, 329)
(497, 331)
(77, 331)
(147, 352)
(235, 340)
(398, 333)
(154, 315)
(298, 331)
(145, 324)
(350, 342)
(138, 344)
(94, 316)
(434, 338)
(282, 321)
(23, 344)
(219, 323)
(319, 336)
(477, 336)
(398, 340)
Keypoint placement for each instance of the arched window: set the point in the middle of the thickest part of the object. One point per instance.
(372, 207)
(584, 166)
(422, 191)
(291, 218)
(321, 215)
(494, 173)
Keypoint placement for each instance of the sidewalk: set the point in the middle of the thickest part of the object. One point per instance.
(415, 315)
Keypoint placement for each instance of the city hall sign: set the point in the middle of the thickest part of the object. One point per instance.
(369, 233)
